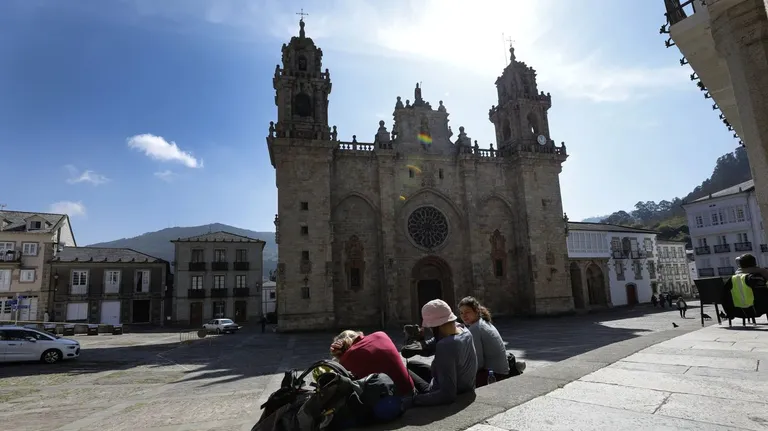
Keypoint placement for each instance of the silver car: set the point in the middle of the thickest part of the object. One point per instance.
(25, 344)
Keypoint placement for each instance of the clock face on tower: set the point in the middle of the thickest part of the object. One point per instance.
(541, 139)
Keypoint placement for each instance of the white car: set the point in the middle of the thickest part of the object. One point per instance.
(218, 326)
(25, 344)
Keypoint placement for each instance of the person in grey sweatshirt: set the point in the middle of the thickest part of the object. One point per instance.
(454, 365)
(491, 352)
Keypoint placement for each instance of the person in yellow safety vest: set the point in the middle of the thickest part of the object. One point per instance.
(746, 290)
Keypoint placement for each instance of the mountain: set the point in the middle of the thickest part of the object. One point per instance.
(668, 217)
(595, 219)
(159, 244)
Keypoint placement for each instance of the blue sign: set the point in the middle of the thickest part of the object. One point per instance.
(13, 302)
(22, 297)
(22, 307)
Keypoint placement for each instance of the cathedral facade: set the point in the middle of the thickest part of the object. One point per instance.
(370, 231)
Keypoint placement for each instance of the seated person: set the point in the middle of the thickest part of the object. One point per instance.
(745, 293)
(363, 355)
(490, 348)
(454, 364)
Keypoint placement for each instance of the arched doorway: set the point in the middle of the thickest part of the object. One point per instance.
(631, 294)
(596, 285)
(577, 289)
(431, 279)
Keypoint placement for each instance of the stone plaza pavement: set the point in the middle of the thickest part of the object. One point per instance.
(149, 381)
(711, 379)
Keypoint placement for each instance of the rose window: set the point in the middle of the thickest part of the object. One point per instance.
(428, 227)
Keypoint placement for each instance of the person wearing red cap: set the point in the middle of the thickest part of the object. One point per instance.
(454, 364)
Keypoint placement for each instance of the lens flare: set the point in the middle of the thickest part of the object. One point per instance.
(425, 139)
(415, 169)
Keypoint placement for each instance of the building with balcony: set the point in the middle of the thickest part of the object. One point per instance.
(725, 42)
(28, 240)
(217, 274)
(109, 286)
(623, 257)
(723, 226)
(672, 267)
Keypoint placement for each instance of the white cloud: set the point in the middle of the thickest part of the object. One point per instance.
(87, 176)
(166, 175)
(72, 209)
(156, 147)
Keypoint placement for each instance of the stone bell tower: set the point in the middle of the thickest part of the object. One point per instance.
(302, 90)
(301, 151)
(535, 163)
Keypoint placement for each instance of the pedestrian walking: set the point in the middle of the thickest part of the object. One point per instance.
(263, 324)
(682, 307)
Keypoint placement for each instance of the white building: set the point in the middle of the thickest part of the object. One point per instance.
(268, 297)
(625, 253)
(674, 274)
(723, 226)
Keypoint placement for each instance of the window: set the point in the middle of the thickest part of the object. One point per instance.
(666, 252)
(6, 246)
(241, 255)
(743, 237)
(5, 281)
(218, 282)
(705, 263)
(142, 281)
(305, 206)
(305, 255)
(240, 282)
(27, 275)
(79, 282)
(305, 230)
(411, 173)
(197, 255)
(498, 268)
(35, 225)
(702, 242)
(39, 336)
(722, 240)
(440, 173)
(725, 262)
(619, 266)
(77, 311)
(305, 292)
(355, 281)
(219, 308)
(29, 249)
(220, 255)
(740, 214)
(615, 244)
(681, 252)
(674, 253)
(715, 217)
(197, 282)
(648, 243)
(272, 295)
(699, 221)
(111, 281)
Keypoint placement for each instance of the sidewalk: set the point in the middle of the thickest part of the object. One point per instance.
(714, 378)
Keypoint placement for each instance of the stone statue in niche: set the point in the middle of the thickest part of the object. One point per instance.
(428, 175)
(302, 63)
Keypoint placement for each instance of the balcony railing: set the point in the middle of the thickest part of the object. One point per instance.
(743, 246)
(241, 291)
(618, 254)
(725, 270)
(196, 293)
(242, 266)
(678, 11)
(706, 272)
(10, 256)
(723, 248)
(649, 253)
(702, 250)
(219, 266)
(764, 248)
(219, 293)
(78, 289)
(197, 266)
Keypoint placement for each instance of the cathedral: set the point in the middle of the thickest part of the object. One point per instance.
(368, 232)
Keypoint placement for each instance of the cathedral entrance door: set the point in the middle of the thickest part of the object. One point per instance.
(431, 279)
(427, 290)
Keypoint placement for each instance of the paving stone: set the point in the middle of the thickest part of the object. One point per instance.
(49, 419)
(697, 361)
(547, 413)
(727, 412)
(619, 397)
(656, 368)
(753, 375)
(675, 383)
(482, 427)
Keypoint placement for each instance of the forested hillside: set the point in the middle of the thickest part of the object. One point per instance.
(668, 216)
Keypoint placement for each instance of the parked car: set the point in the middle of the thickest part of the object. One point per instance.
(25, 344)
(219, 326)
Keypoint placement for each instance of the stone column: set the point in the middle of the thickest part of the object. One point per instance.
(740, 31)
(473, 264)
(388, 198)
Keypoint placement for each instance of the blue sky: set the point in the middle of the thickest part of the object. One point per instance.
(136, 115)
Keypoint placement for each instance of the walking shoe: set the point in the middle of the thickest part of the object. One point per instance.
(520, 365)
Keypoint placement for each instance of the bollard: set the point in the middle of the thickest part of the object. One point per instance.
(117, 330)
